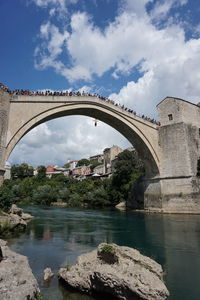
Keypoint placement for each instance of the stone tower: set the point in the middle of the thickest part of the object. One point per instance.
(179, 139)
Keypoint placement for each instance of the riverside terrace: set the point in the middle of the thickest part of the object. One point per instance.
(20, 92)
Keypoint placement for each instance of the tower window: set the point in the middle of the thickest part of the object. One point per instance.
(170, 117)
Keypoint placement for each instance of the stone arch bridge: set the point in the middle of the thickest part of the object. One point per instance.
(170, 183)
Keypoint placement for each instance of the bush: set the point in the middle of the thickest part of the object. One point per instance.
(107, 248)
(98, 197)
(63, 195)
(75, 200)
(44, 195)
(7, 198)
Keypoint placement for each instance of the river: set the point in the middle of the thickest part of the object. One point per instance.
(57, 236)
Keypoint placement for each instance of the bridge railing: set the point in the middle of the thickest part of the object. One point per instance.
(18, 93)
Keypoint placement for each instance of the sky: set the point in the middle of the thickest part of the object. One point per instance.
(134, 51)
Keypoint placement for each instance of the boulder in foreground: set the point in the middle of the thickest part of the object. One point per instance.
(119, 271)
(14, 221)
(16, 278)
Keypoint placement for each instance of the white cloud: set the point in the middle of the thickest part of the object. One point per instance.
(85, 88)
(167, 64)
(166, 61)
(121, 46)
(72, 137)
(162, 8)
(137, 7)
(55, 6)
(53, 42)
(175, 75)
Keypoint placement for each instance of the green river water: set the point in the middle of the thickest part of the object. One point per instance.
(57, 236)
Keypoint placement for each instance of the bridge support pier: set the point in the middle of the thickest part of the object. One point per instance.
(167, 195)
(4, 117)
(177, 189)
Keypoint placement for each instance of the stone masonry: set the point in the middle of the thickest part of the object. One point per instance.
(4, 117)
(170, 152)
(179, 139)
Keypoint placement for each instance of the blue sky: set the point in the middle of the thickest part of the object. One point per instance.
(134, 51)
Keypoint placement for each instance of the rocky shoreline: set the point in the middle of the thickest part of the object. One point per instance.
(14, 221)
(16, 278)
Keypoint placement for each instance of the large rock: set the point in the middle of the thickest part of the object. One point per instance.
(16, 278)
(48, 274)
(26, 217)
(121, 205)
(15, 220)
(16, 210)
(120, 271)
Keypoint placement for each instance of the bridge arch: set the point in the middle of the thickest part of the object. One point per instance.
(32, 112)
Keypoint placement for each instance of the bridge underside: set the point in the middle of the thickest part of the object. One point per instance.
(130, 127)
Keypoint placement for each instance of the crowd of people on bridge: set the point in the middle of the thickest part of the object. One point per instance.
(19, 92)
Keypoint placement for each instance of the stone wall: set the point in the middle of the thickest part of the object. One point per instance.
(4, 115)
(181, 111)
(177, 151)
(178, 189)
(179, 140)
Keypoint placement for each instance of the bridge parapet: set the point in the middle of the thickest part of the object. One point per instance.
(82, 99)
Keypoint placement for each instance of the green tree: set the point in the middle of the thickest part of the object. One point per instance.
(75, 200)
(63, 195)
(94, 164)
(21, 171)
(98, 197)
(41, 172)
(83, 162)
(7, 198)
(128, 168)
(44, 195)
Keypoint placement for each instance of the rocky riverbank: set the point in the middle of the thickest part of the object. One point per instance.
(16, 278)
(119, 271)
(14, 221)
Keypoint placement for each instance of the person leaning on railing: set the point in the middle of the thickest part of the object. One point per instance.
(70, 94)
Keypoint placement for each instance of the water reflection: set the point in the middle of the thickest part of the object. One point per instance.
(58, 235)
(179, 242)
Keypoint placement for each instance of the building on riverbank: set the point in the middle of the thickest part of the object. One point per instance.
(81, 171)
(7, 174)
(98, 157)
(53, 170)
(109, 155)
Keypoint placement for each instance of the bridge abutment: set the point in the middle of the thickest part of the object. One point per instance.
(4, 119)
(179, 139)
(177, 190)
